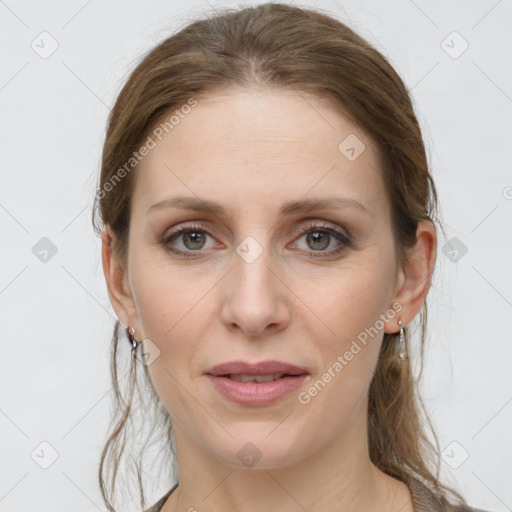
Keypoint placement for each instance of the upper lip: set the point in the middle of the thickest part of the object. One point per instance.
(259, 368)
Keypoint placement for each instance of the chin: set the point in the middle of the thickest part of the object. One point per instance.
(260, 450)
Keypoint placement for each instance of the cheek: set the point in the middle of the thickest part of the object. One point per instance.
(172, 315)
(167, 298)
(172, 312)
(347, 302)
(349, 335)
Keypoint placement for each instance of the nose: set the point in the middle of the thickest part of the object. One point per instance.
(255, 297)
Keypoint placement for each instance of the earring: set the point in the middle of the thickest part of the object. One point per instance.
(400, 345)
(130, 333)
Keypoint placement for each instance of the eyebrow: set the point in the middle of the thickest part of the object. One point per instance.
(298, 206)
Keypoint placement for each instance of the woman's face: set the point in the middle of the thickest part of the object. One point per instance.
(252, 283)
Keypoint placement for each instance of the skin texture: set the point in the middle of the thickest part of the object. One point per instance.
(251, 150)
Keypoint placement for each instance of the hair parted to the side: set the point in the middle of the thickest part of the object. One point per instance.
(276, 45)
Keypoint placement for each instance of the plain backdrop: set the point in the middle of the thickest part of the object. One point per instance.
(63, 64)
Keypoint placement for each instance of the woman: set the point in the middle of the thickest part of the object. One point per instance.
(268, 229)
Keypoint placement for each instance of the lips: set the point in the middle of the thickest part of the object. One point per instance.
(256, 384)
(255, 378)
(264, 368)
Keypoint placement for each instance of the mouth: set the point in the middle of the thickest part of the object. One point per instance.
(257, 378)
(268, 370)
(256, 384)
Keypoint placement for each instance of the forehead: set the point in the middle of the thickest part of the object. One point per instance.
(262, 146)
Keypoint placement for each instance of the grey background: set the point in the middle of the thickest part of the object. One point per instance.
(56, 318)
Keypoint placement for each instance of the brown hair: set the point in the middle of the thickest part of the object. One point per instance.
(281, 46)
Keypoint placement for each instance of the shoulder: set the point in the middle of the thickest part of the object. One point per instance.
(467, 509)
(424, 500)
(160, 503)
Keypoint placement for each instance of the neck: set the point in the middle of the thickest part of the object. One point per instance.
(337, 476)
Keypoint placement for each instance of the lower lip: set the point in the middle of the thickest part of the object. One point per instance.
(256, 393)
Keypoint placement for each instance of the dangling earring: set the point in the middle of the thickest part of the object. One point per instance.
(400, 344)
(130, 333)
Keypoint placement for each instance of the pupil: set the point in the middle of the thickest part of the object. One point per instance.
(316, 237)
(195, 238)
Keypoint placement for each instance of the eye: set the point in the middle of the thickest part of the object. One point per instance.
(193, 239)
(319, 237)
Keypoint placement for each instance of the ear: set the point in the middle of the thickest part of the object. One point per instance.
(413, 281)
(117, 282)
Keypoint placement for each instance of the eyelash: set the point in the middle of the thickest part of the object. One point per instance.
(346, 241)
